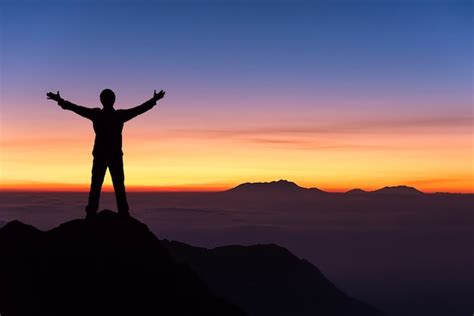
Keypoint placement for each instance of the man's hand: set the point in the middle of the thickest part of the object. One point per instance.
(156, 96)
(56, 97)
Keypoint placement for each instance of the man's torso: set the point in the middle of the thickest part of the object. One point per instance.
(108, 127)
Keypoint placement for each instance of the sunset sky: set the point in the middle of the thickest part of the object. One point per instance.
(338, 95)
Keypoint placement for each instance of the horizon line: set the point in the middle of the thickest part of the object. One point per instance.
(203, 188)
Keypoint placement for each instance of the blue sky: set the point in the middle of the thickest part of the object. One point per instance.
(368, 47)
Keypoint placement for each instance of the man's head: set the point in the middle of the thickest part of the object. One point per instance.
(107, 97)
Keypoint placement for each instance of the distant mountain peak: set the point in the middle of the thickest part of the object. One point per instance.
(399, 189)
(356, 191)
(279, 183)
(280, 186)
(273, 185)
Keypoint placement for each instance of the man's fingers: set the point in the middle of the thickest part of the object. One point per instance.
(53, 96)
(159, 94)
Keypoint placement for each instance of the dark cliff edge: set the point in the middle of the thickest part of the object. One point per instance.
(115, 266)
(268, 280)
(107, 266)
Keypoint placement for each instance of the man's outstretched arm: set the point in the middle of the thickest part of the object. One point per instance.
(148, 105)
(66, 105)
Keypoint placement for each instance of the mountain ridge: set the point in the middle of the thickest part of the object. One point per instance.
(399, 189)
(276, 186)
(285, 186)
(262, 268)
(107, 265)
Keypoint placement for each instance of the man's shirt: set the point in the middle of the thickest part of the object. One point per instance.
(108, 125)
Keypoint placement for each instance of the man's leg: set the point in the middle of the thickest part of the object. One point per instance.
(99, 166)
(118, 180)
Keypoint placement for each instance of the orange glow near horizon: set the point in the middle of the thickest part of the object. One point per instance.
(196, 189)
(196, 159)
(61, 187)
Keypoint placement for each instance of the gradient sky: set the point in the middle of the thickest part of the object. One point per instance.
(337, 95)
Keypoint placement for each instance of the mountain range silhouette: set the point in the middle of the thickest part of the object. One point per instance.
(401, 189)
(283, 186)
(288, 187)
(357, 191)
(268, 280)
(112, 265)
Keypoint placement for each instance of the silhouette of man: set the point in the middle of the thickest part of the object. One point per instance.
(107, 152)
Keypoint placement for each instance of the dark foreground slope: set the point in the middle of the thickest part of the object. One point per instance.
(116, 266)
(268, 280)
(108, 266)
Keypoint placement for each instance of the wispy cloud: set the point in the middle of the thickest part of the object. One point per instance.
(312, 144)
(354, 134)
(433, 124)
